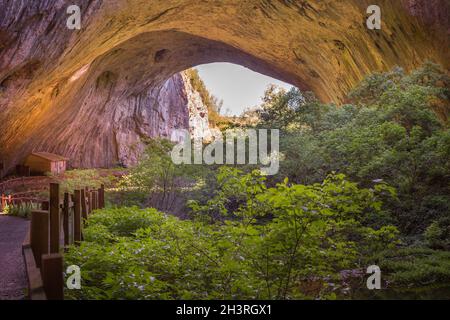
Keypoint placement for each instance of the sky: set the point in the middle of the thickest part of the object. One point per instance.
(237, 86)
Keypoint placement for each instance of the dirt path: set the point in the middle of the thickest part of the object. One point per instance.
(12, 274)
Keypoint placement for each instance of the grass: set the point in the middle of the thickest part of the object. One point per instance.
(22, 210)
(415, 266)
(79, 179)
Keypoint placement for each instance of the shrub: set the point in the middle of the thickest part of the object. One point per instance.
(123, 222)
(81, 178)
(437, 235)
(414, 267)
(396, 130)
(156, 177)
(22, 210)
(273, 241)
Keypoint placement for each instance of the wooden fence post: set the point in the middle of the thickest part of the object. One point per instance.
(66, 221)
(54, 218)
(83, 204)
(94, 200)
(101, 197)
(39, 234)
(77, 216)
(52, 276)
(45, 206)
(89, 200)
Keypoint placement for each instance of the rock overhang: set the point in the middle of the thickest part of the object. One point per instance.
(132, 48)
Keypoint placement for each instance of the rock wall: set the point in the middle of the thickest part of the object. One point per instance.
(108, 131)
(199, 126)
(152, 115)
(93, 94)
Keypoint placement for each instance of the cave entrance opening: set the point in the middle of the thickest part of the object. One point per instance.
(221, 93)
(235, 88)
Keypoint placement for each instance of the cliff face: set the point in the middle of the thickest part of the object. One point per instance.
(108, 130)
(93, 94)
(199, 126)
(152, 115)
(434, 13)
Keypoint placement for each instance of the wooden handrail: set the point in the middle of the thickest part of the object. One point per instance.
(81, 203)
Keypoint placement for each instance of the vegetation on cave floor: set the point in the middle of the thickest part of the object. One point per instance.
(366, 183)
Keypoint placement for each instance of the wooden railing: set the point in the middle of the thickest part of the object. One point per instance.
(59, 224)
(21, 182)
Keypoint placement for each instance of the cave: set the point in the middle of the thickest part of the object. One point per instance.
(93, 94)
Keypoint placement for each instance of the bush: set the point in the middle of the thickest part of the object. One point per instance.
(414, 267)
(396, 131)
(81, 178)
(123, 222)
(273, 241)
(156, 178)
(437, 235)
(22, 210)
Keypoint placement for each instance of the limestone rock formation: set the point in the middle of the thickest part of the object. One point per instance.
(148, 116)
(199, 126)
(93, 94)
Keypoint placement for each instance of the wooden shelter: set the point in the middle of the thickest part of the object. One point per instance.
(41, 162)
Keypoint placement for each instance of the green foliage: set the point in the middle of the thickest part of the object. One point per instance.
(156, 175)
(310, 226)
(414, 267)
(155, 169)
(122, 222)
(313, 231)
(430, 77)
(81, 178)
(233, 190)
(395, 131)
(276, 110)
(437, 235)
(22, 210)
(256, 237)
(127, 197)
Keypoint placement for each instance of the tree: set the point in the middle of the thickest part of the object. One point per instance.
(395, 130)
(157, 175)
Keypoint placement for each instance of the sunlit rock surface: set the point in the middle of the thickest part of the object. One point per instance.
(93, 94)
(199, 127)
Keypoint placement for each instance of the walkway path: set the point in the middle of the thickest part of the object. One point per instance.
(12, 273)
